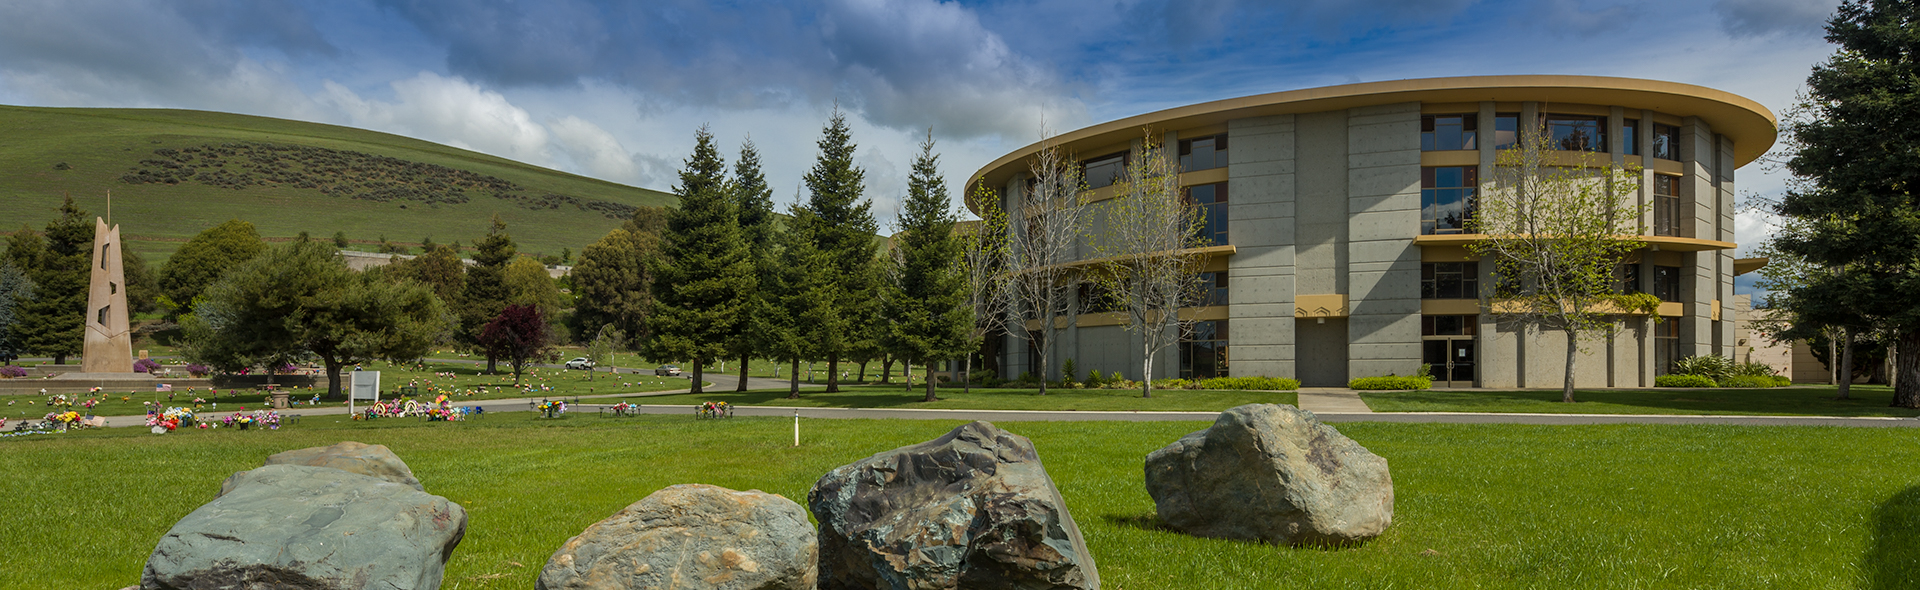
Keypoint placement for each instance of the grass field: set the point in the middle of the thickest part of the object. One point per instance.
(1868, 400)
(99, 146)
(466, 384)
(1477, 506)
(897, 396)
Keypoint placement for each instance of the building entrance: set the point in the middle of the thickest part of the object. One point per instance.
(1451, 360)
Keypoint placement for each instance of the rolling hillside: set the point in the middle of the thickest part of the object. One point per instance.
(174, 173)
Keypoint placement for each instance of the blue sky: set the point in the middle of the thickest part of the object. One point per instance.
(615, 90)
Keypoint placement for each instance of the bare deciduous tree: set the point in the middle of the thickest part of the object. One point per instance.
(1047, 228)
(983, 254)
(1151, 263)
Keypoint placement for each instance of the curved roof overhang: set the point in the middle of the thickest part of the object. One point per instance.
(1752, 127)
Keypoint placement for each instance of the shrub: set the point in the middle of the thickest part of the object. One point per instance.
(1093, 379)
(1028, 377)
(1678, 380)
(1253, 383)
(1748, 381)
(1754, 369)
(982, 376)
(1390, 382)
(1068, 373)
(199, 370)
(12, 371)
(1172, 384)
(145, 366)
(1779, 381)
(1710, 366)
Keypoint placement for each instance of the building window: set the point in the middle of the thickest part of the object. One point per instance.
(1506, 130)
(1666, 283)
(1212, 199)
(1666, 142)
(1213, 288)
(1448, 132)
(1203, 153)
(1447, 198)
(1105, 170)
(1203, 353)
(1449, 325)
(1666, 205)
(1450, 280)
(1630, 137)
(1666, 345)
(1626, 280)
(1576, 133)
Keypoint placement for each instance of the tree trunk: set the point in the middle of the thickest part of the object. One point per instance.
(1906, 390)
(1833, 360)
(930, 386)
(833, 375)
(743, 374)
(1043, 374)
(967, 379)
(1845, 389)
(886, 372)
(699, 371)
(1573, 352)
(59, 359)
(333, 376)
(1146, 371)
(793, 381)
(862, 379)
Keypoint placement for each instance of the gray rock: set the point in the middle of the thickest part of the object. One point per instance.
(1271, 473)
(292, 526)
(370, 460)
(691, 537)
(972, 509)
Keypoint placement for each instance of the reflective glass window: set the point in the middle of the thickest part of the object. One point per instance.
(1203, 153)
(1506, 130)
(1212, 200)
(1447, 197)
(1576, 133)
(1448, 132)
(1666, 205)
(1666, 142)
(1450, 280)
(1630, 137)
(1105, 170)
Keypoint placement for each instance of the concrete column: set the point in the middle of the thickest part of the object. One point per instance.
(1645, 139)
(1261, 192)
(1725, 331)
(1383, 199)
(1699, 216)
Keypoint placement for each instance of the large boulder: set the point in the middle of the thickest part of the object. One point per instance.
(364, 459)
(691, 537)
(972, 509)
(309, 528)
(1271, 473)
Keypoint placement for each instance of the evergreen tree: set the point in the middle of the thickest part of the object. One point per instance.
(53, 323)
(755, 201)
(15, 291)
(200, 262)
(1854, 152)
(610, 287)
(143, 288)
(486, 291)
(930, 318)
(841, 227)
(703, 277)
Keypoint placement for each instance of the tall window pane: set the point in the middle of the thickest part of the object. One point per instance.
(1630, 137)
(1447, 198)
(1104, 170)
(1203, 353)
(1666, 283)
(1203, 153)
(1577, 133)
(1666, 142)
(1666, 206)
(1448, 132)
(1212, 200)
(1450, 280)
(1506, 130)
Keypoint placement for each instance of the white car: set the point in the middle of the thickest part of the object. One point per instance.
(581, 363)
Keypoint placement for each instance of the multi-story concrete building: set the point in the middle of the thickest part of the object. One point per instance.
(1338, 213)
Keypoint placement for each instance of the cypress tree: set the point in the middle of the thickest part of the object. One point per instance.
(703, 276)
(927, 303)
(53, 322)
(841, 227)
(485, 294)
(755, 201)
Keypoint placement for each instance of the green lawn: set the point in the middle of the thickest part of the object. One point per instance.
(1868, 400)
(896, 396)
(1477, 506)
(467, 384)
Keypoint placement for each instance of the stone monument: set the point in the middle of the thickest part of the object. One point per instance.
(109, 341)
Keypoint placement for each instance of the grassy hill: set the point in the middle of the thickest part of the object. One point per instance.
(173, 173)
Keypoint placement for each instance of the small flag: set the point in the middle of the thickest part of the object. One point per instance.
(163, 388)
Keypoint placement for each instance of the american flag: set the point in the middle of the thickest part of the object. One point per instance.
(163, 388)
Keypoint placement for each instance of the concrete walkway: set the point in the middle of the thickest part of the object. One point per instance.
(1336, 400)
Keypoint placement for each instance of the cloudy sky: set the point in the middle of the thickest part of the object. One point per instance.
(615, 90)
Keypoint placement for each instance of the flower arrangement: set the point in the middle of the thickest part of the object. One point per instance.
(65, 419)
(716, 410)
(59, 401)
(145, 366)
(553, 408)
(12, 371)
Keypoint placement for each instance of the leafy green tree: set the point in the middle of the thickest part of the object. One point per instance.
(1555, 235)
(529, 284)
(983, 246)
(200, 262)
(928, 310)
(1803, 303)
(520, 335)
(340, 240)
(54, 322)
(610, 286)
(486, 292)
(754, 198)
(704, 276)
(1152, 268)
(840, 224)
(1851, 145)
(15, 291)
(143, 288)
(299, 299)
(439, 268)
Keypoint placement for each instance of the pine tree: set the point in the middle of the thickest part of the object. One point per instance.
(928, 302)
(755, 201)
(704, 275)
(841, 227)
(53, 322)
(486, 291)
(15, 291)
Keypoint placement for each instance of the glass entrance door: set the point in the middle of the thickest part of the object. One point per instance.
(1451, 360)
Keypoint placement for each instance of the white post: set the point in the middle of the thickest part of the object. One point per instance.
(796, 427)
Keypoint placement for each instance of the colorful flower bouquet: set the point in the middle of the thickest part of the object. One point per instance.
(267, 418)
(552, 409)
(171, 419)
(716, 410)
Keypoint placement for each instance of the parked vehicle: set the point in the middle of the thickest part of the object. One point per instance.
(666, 371)
(581, 363)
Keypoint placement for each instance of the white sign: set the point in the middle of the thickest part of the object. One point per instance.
(366, 385)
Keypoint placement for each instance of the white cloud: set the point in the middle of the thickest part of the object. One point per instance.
(452, 111)
(594, 150)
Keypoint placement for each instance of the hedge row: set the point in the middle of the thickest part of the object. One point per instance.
(1390, 382)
